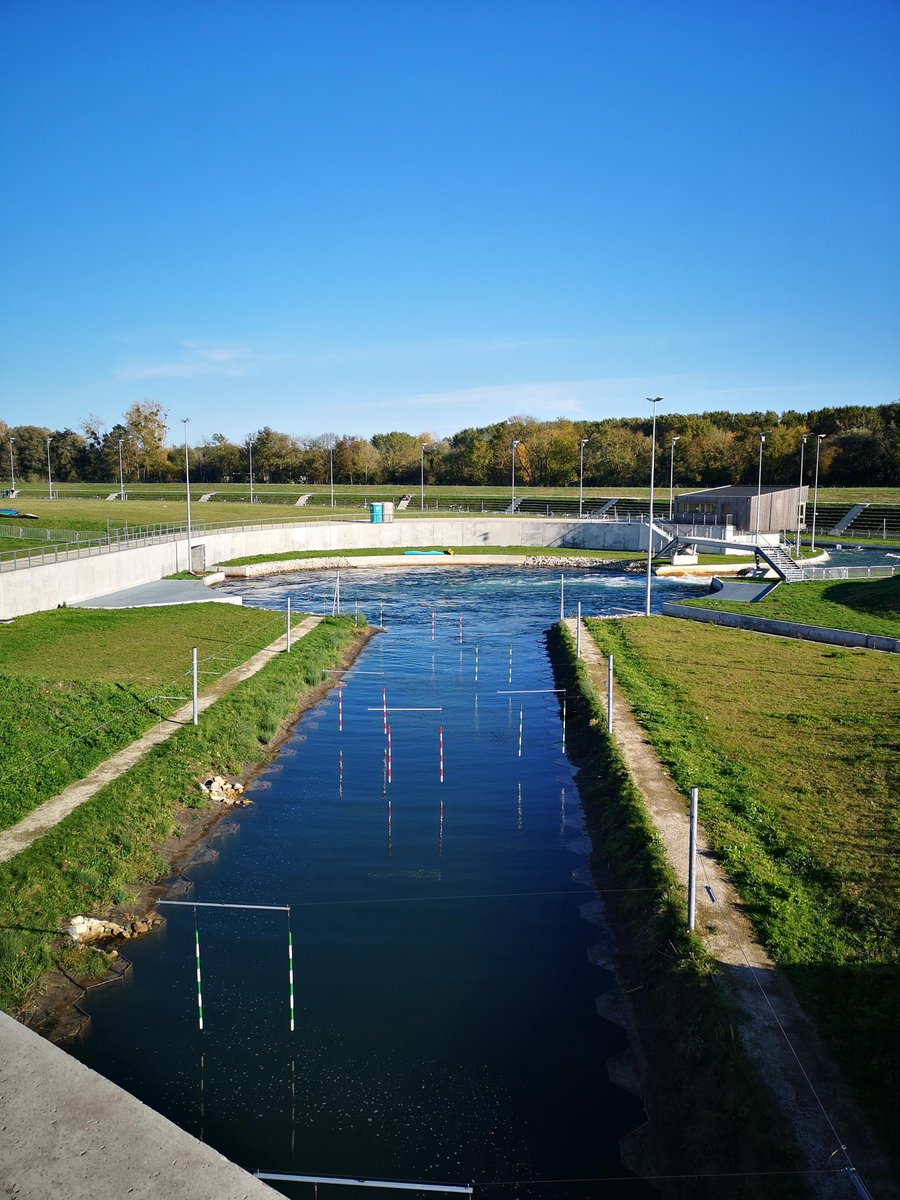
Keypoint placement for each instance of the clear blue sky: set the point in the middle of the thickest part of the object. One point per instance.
(362, 215)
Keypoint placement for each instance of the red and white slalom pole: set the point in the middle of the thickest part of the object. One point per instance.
(441, 751)
(389, 753)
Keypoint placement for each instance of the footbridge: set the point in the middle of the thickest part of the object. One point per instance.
(777, 557)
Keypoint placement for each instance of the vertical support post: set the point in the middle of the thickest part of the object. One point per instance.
(609, 695)
(578, 632)
(287, 634)
(196, 710)
(692, 862)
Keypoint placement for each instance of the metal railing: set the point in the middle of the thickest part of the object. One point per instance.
(850, 572)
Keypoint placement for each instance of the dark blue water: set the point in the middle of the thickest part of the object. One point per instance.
(445, 1019)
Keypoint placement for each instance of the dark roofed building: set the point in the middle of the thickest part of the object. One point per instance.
(736, 506)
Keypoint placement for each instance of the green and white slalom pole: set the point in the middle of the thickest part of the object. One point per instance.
(291, 970)
(199, 985)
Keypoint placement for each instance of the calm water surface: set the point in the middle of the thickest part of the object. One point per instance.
(445, 1019)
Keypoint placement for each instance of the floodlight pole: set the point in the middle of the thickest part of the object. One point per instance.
(762, 442)
(584, 442)
(422, 481)
(187, 489)
(675, 438)
(800, 495)
(654, 400)
(121, 474)
(819, 439)
(512, 507)
(12, 469)
(49, 475)
(250, 452)
(331, 469)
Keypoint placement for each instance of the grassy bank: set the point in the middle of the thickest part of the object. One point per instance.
(708, 1111)
(375, 552)
(865, 605)
(78, 684)
(794, 748)
(96, 857)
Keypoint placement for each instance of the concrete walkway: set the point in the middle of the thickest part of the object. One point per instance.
(19, 837)
(69, 1133)
(778, 1037)
(158, 594)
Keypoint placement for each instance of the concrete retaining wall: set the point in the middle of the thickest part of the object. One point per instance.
(31, 589)
(807, 633)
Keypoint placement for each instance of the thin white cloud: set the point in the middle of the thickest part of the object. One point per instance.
(197, 360)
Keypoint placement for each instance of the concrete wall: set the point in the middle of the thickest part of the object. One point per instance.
(808, 633)
(31, 589)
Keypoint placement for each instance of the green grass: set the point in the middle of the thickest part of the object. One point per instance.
(863, 606)
(554, 551)
(78, 684)
(795, 749)
(96, 855)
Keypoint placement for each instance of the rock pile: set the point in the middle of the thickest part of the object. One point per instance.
(224, 791)
(562, 562)
(92, 929)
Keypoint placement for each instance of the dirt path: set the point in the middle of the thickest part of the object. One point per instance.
(18, 838)
(788, 1054)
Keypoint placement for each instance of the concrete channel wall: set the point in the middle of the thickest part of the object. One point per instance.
(70, 580)
(807, 633)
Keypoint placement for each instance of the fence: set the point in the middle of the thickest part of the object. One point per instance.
(850, 572)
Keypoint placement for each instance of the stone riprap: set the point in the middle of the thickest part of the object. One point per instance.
(256, 570)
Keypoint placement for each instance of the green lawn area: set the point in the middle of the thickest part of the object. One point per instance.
(795, 750)
(616, 555)
(76, 684)
(861, 605)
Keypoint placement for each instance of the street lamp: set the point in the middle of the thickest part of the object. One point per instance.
(762, 442)
(49, 476)
(12, 469)
(422, 481)
(676, 437)
(250, 452)
(187, 489)
(819, 439)
(512, 507)
(654, 400)
(121, 474)
(584, 442)
(800, 494)
(331, 469)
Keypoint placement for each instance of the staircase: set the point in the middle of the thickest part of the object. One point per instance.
(403, 502)
(782, 564)
(511, 508)
(847, 518)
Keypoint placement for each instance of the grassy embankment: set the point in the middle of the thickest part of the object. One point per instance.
(795, 750)
(686, 1029)
(78, 684)
(97, 856)
(864, 606)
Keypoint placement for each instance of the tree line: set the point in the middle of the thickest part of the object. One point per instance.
(861, 447)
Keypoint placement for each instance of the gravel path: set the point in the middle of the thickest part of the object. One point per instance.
(787, 1052)
(19, 837)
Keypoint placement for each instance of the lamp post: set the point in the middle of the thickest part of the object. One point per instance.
(331, 468)
(422, 481)
(675, 438)
(187, 490)
(800, 494)
(512, 507)
(121, 474)
(762, 442)
(819, 438)
(49, 475)
(584, 442)
(654, 400)
(250, 452)
(12, 468)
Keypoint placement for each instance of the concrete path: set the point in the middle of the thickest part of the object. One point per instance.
(68, 1132)
(159, 593)
(777, 1035)
(18, 838)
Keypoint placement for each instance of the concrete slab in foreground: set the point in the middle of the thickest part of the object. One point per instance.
(158, 594)
(65, 1131)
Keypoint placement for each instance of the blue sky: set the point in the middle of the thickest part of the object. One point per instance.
(359, 216)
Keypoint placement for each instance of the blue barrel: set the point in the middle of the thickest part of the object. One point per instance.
(377, 511)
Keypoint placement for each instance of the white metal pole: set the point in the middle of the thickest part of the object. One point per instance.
(287, 634)
(250, 451)
(609, 695)
(692, 861)
(12, 469)
(578, 632)
(422, 481)
(819, 437)
(675, 438)
(512, 507)
(654, 400)
(49, 475)
(800, 495)
(562, 597)
(762, 442)
(194, 684)
(121, 474)
(187, 488)
(331, 471)
(584, 442)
